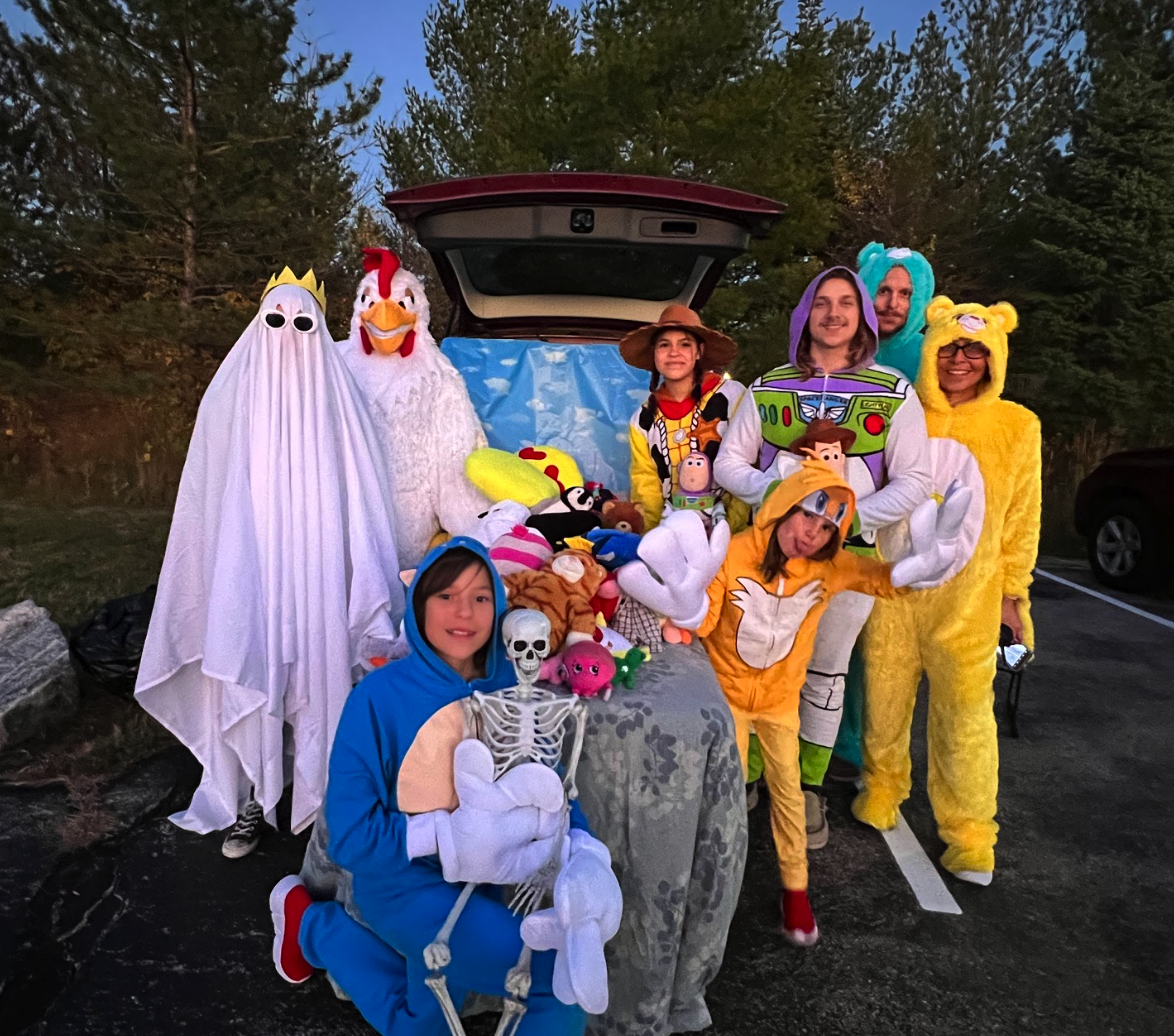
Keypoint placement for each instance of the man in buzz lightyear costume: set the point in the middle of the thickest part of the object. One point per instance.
(832, 377)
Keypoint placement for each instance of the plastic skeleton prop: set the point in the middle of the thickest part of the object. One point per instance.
(520, 724)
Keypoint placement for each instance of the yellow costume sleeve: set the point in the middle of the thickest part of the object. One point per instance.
(1020, 542)
(1021, 528)
(645, 481)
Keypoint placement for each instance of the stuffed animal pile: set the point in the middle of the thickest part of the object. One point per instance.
(557, 541)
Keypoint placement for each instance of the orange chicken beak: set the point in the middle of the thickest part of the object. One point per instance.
(387, 324)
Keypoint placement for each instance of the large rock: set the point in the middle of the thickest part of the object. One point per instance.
(37, 684)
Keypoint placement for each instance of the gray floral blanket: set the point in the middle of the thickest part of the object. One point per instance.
(661, 783)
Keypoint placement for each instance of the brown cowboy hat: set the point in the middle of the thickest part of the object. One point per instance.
(636, 346)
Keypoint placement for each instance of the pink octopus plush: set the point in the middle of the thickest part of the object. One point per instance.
(585, 667)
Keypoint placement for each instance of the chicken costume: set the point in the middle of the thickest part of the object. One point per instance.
(281, 573)
(887, 468)
(419, 404)
(951, 633)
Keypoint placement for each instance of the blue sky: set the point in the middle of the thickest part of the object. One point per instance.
(386, 37)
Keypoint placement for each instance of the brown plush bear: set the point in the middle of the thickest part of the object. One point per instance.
(562, 590)
(623, 515)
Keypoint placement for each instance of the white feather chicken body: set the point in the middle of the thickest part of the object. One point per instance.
(425, 420)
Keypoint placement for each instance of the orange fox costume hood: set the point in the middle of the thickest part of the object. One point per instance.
(782, 496)
(759, 633)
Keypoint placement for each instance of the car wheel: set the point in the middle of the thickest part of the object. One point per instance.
(1125, 550)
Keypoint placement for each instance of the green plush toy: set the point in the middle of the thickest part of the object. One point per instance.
(627, 664)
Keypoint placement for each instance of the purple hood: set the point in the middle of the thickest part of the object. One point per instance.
(803, 311)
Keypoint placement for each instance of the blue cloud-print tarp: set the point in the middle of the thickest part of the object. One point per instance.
(578, 398)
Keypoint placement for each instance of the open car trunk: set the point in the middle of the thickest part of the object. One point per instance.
(584, 256)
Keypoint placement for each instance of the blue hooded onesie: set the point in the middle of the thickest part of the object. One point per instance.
(392, 756)
(901, 351)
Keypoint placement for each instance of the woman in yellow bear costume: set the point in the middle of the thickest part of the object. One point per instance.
(952, 632)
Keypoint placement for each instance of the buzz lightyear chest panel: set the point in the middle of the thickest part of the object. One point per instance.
(864, 401)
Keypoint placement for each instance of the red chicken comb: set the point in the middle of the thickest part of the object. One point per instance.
(386, 262)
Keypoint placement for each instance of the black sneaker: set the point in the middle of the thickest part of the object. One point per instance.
(842, 770)
(245, 835)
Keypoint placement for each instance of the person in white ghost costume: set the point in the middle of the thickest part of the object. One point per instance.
(280, 579)
(419, 403)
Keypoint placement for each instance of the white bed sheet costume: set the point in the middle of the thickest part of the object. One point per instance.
(281, 574)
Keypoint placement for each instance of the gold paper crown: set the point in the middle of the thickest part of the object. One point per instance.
(309, 282)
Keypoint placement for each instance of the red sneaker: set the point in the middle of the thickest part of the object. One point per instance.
(799, 925)
(287, 904)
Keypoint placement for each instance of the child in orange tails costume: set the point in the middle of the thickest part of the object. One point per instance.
(759, 615)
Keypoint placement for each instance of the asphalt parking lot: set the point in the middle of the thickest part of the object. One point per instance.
(153, 932)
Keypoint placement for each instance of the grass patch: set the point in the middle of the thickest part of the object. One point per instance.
(73, 560)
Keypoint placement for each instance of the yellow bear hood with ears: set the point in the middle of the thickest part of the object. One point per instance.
(947, 322)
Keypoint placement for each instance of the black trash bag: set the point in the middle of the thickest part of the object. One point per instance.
(107, 649)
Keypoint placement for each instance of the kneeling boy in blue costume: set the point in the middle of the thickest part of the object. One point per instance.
(413, 814)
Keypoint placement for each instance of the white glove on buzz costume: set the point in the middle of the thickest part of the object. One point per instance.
(677, 563)
(587, 908)
(502, 831)
(933, 531)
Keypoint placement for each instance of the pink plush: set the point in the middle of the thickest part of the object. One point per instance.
(585, 667)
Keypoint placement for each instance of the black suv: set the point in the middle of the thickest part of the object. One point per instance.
(1123, 510)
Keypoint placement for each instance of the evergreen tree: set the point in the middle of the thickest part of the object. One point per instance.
(500, 68)
(951, 138)
(192, 156)
(713, 91)
(1099, 309)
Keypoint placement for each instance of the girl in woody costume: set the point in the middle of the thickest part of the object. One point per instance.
(678, 430)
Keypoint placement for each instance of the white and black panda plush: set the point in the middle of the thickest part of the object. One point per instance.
(569, 514)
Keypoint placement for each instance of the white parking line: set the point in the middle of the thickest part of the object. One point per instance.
(1107, 599)
(922, 875)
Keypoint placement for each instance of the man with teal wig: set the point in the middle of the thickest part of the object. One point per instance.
(901, 284)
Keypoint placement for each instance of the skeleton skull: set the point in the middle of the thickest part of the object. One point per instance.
(527, 641)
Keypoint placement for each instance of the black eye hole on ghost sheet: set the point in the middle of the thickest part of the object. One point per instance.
(276, 320)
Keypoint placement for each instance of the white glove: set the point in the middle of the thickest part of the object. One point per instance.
(502, 831)
(933, 532)
(587, 908)
(677, 564)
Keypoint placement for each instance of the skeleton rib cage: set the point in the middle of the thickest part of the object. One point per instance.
(519, 724)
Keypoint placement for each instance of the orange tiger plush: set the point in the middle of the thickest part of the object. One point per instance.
(562, 590)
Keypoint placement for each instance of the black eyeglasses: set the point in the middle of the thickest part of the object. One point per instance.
(971, 350)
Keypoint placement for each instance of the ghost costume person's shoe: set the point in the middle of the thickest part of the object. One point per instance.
(245, 835)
